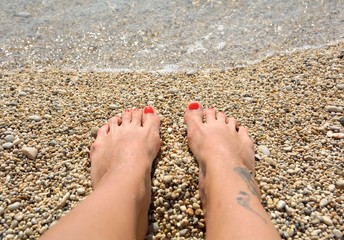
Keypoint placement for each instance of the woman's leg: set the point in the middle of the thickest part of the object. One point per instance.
(229, 192)
(121, 160)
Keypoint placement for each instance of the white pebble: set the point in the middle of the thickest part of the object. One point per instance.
(14, 206)
(337, 233)
(81, 191)
(30, 152)
(7, 145)
(323, 202)
(327, 220)
(280, 205)
(35, 118)
(264, 149)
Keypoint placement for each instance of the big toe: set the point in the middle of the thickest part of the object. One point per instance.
(193, 114)
(150, 117)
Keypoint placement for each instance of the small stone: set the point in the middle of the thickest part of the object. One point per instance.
(190, 212)
(9, 138)
(14, 206)
(337, 233)
(183, 232)
(337, 135)
(196, 206)
(167, 179)
(53, 143)
(289, 88)
(94, 131)
(182, 208)
(17, 141)
(35, 118)
(248, 99)
(288, 149)
(22, 93)
(270, 161)
(315, 232)
(169, 130)
(198, 212)
(184, 222)
(340, 183)
(155, 227)
(2, 210)
(113, 106)
(280, 205)
(340, 86)
(63, 201)
(19, 217)
(173, 90)
(334, 109)
(47, 116)
(30, 152)
(327, 220)
(7, 145)
(81, 191)
(323, 202)
(331, 187)
(264, 149)
(23, 14)
(341, 120)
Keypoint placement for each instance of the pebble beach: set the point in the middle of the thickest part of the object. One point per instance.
(292, 104)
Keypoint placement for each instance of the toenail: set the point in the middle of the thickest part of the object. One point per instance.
(148, 110)
(127, 110)
(194, 106)
(211, 108)
(135, 109)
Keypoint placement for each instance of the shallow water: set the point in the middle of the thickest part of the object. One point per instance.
(165, 36)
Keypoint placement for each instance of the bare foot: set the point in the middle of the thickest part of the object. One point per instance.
(127, 147)
(219, 142)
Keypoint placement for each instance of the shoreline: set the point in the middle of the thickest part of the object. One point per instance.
(283, 100)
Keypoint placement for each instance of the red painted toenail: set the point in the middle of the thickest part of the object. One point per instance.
(148, 110)
(194, 106)
(127, 110)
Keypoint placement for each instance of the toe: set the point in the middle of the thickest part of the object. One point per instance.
(210, 115)
(221, 116)
(193, 114)
(114, 122)
(126, 117)
(102, 131)
(136, 117)
(233, 124)
(150, 117)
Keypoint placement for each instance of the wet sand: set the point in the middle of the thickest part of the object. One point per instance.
(291, 104)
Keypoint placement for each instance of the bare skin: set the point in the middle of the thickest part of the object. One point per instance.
(229, 192)
(121, 160)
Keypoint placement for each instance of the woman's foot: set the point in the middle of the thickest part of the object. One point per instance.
(225, 154)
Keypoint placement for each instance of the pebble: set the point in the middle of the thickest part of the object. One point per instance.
(35, 118)
(173, 90)
(7, 145)
(340, 86)
(280, 205)
(167, 179)
(331, 187)
(14, 206)
(183, 208)
(264, 149)
(323, 202)
(19, 217)
(30, 152)
(94, 131)
(288, 149)
(113, 106)
(9, 138)
(155, 227)
(63, 201)
(327, 220)
(81, 191)
(334, 109)
(2, 210)
(23, 14)
(22, 94)
(17, 141)
(340, 183)
(183, 232)
(337, 233)
(196, 206)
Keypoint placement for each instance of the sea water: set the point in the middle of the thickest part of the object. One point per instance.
(163, 36)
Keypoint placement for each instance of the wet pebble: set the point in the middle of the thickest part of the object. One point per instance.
(30, 152)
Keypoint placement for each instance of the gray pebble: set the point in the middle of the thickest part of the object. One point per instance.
(23, 14)
(173, 90)
(337, 233)
(14, 206)
(30, 152)
(53, 143)
(7, 145)
(334, 109)
(288, 88)
(340, 86)
(155, 227)
(323, 202)
(9, 138)
(183, 232)
(341, 120)
(264, 149)
(81, 191)
(113, 106)
(35, 118)
(327, 220)
(280, 205)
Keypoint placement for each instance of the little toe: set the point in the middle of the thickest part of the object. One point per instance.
(126, 117)
(233, 123)
(221, 116)
(210, 115)
(136, 117)
(193, 114)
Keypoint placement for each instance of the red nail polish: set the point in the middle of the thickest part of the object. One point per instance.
(194, 106)
(127, 110)
(148, 109)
